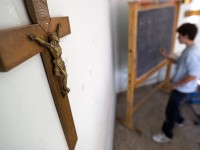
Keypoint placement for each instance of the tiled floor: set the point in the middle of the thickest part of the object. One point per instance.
(149, 120)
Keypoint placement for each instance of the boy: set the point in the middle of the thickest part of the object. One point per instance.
(184, 81)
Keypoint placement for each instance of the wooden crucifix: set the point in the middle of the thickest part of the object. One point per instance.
(16, 47)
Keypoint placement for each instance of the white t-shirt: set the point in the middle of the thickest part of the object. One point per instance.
(188, 64)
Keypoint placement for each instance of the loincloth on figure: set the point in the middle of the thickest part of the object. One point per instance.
(59, 66)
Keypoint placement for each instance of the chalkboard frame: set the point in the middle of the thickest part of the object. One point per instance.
(133, 81)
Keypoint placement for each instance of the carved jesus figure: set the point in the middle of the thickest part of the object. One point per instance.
(59, 65)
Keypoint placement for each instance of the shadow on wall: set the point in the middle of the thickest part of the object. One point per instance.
(119, 23)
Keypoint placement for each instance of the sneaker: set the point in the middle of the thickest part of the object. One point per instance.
(161, 138)
(180, 124)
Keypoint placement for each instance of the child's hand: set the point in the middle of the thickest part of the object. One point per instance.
(174, 86)
(163, 52)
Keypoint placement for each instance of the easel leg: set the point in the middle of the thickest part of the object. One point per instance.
(129, 108)
(128, 121)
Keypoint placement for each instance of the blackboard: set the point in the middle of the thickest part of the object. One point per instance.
(155, 30)
(151, 26)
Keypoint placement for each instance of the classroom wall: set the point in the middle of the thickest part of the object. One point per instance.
(28, 116)
(119, 22)
(195, 5)
(119, 11)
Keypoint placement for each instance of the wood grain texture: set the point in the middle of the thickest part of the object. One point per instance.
(133, 8)
(16, 47)
(61, 103)
(39, 13)
(192, 13)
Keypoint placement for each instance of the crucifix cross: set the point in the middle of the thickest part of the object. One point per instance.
(16, 47)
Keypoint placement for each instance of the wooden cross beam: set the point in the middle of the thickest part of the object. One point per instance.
(192, 13)
(16, 47)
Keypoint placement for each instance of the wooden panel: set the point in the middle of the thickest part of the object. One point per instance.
(192, 13)
(15, 41)
(65, 26)
(131, 62)
(155, 6)
(39, 13)
(16, 47)
(61, 103)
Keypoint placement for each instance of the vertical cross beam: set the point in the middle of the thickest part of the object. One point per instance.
(38, 11)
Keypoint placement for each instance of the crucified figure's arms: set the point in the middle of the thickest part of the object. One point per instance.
(42, 42)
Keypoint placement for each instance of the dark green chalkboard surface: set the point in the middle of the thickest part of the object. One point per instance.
(155, 30)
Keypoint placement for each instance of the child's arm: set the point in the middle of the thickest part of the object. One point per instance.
(169, 58)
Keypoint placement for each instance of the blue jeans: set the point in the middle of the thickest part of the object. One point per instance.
(173, 112)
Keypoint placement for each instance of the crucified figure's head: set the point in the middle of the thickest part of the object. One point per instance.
(53, 37)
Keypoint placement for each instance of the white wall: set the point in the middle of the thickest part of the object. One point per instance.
(195, 5)
(28, 117)
(119, 13)
(120, 40)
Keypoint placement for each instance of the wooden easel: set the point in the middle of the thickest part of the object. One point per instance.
(133, 81)
(16, 47)
(192, 13)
